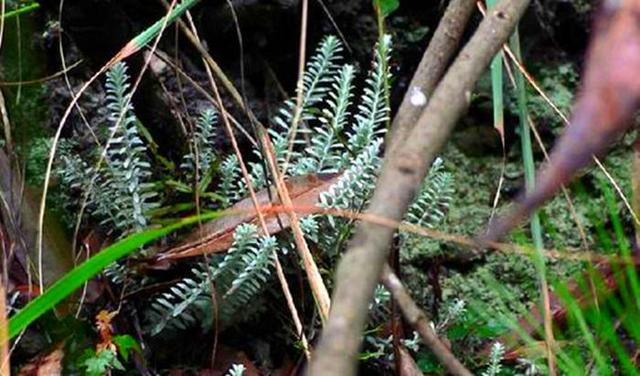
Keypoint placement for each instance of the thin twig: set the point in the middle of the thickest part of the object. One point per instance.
(420, 322)
(41, 80)
(297, 114)
(319, 290)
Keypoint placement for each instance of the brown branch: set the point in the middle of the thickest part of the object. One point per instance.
(402, 174)
(420, 322)
(434, 63)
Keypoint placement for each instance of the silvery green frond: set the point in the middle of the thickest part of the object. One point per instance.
(202, 151)
(373, 109)
(230, 180)
(73, 171)
(236, 370)
(258, 262)
(258, 177)
(325, 152)
(495, 360)
(353, 188)
(434, 198)
(245, 238)
(320, 71)
(128, 167)
(310, 227)
(238, 276)
(171, 308)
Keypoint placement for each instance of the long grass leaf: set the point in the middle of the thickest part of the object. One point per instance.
(85, 271)
(529, 175)
(152, 31)
(22, 10)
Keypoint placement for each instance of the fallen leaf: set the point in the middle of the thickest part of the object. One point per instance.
(217, 236)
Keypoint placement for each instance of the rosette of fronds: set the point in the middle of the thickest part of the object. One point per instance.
(202, 153)
(129, 171)
(238, 278)
(320, 71)
(431, 205)
(373, 109)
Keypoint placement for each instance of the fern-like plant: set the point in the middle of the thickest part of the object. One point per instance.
(495, 360)
(129, 171)
(121, 194)
(331, 139)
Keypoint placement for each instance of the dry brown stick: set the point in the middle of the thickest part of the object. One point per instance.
(318, 288)
(434, 63)
(402, 174)
(420, 322)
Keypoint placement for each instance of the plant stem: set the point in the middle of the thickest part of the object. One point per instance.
(529, 175)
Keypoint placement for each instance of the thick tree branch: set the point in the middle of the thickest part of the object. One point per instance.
(402, 174)
(434, 63)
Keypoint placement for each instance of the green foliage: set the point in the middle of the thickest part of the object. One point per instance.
(104, 360)
(386, 7)
(125, 345)
(101, 362)
(17, 8)
(35, 161)
(559, 82)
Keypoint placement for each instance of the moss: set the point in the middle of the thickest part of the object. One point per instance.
(476, 182)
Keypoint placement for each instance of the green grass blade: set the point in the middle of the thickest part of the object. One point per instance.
(142, 39)
(525, 139)
(497, 88)
(25, 9)
(578, 315)
(85, 271)
(152, 31)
